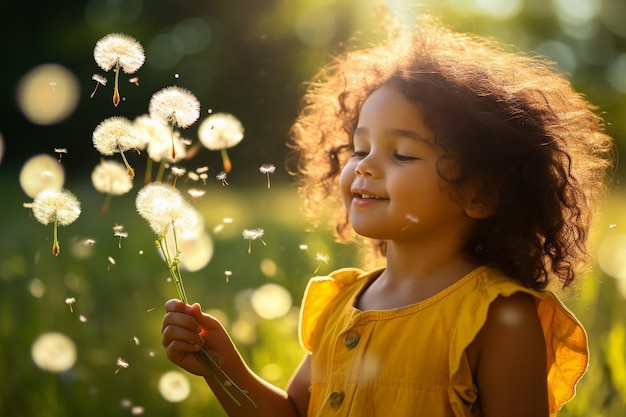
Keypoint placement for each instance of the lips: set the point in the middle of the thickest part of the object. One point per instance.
(366, 195)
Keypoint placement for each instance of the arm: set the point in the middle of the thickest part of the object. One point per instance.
(186, 328)
(511, 360)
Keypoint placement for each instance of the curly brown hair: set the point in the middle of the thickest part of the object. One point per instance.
(508, 120)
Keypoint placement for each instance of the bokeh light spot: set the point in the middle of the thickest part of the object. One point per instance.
(174, 386)
(195, 34)
(612, 255)
(48, 94)
(165, 51)
(271, 301)
(41, 172)
(54, 352)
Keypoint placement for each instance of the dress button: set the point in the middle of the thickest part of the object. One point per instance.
(336, 398)
(351, 339)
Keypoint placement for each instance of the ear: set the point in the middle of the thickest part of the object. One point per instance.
(481, 201)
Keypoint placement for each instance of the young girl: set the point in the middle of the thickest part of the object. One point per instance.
(474, 171)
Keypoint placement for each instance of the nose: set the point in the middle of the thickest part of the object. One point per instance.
(366, 167)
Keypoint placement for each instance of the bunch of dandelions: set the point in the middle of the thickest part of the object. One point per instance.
(220, 131)
(118, 51)
(110, 178)
(117, 134)
(60, 207)
(174, 106)
(167, 212)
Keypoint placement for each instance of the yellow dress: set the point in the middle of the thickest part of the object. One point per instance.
(411, 361)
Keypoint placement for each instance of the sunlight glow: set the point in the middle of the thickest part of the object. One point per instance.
(48, 94)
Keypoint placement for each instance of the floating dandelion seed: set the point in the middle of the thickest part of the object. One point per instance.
(89, 242)
(118, 231)
(220, 131)
(322, 259)
(134, 80)
(613, 226)
(221, 176)
(60, 151)
(195, 192)
(119, 51)
(253, 234)
(135, 339)
(110, 178)
(111, 262)
(59, 207)
(117, 135)
(69, 301)
(174, 106)
(228, 274)
(412, 219)
(121, 364)
(303, 247)
(267, 169)
(100, 80)
(177, 172)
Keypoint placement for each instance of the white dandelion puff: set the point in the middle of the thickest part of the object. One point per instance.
(119, 51)
(116, 135)
(220, 131)
(110, 178)
(174, 106)
(58, 207)
(70, 301)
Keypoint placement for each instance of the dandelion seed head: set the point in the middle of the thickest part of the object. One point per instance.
(267, 168)
(60, 206)
(159, 148)
(151, 129)
(161, 205)
(70, 300)
(174, 105)
(54, 352)
(174, 386)
(60, 150)
(41, 172)
(120, 234)
(118, 228)
(119, 48)
(220, 131)
(111, 177)
(89, 242)
(111, 260)
(115, 134)
(321, 258)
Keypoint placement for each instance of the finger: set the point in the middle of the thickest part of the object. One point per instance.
(172, 334)
(176, 305)
(180, 320)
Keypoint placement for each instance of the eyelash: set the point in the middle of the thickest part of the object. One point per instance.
(401, 158)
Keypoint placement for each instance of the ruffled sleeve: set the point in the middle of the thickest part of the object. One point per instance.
(566, 342)
(319, 293)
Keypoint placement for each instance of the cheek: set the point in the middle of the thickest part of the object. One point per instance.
(345, 180)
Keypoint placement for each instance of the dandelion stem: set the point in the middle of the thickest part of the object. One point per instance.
(148, 175)
(173, 147)
(161, 171)
(106, 204)
(56, 249)
(131, 171)
(116, 91)
(226, 160)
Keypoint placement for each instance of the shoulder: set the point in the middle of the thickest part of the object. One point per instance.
(322, 291)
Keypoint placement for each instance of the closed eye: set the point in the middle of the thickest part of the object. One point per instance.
(405, 158)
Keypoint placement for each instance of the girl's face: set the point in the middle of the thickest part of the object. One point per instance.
(390, 186)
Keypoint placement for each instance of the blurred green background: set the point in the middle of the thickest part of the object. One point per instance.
(249, 58)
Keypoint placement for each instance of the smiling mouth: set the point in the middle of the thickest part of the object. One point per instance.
(367, 196)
